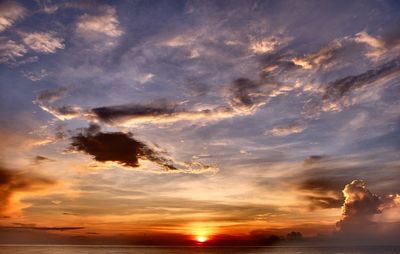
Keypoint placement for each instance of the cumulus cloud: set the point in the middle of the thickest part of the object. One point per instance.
(292, 128)
(10, 51)
(42, 42)
(16, 181)
(361, 205)
(104, 23)
(10, 12)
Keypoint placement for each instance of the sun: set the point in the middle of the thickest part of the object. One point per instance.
(201, 239)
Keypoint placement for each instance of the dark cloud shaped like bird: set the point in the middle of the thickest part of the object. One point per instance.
(118, 147)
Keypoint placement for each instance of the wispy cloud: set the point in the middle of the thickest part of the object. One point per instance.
(104, 22)
(10, 12)
(41, 42)
(11, 50)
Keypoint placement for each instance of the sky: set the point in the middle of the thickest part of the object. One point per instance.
(179, 122)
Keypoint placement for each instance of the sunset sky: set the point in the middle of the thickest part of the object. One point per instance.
(177, 121)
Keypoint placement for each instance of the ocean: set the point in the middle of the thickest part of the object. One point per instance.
(66, 249)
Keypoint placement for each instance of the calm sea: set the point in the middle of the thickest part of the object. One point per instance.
(63, 249)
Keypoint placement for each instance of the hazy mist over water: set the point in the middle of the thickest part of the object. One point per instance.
(59, 249)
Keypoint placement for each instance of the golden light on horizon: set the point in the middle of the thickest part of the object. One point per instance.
(201, 239)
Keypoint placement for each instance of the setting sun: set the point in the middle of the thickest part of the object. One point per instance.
(201, 239)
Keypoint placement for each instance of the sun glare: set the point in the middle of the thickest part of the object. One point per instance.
(201, 239)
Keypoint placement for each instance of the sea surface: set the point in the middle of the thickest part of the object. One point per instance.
(64, 249)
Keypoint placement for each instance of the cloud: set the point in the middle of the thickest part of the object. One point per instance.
(246, 94)
(10, 12)
(41, 42)
(268, 44)
(341, 88)
(378, 46)
(292, 128)
(104, 23)
(360, 206)
(118, 147)
(45, 99)
(49, 96)
(124, 149)
(35, 76)
(131, 114)
(323, 58)
(35, 227)
(10, 51)
(16, 181)
(322, 193)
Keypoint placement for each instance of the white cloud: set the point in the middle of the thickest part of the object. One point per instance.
(10, 12)
(47, 43)
(35, 76)
(376, 45)
(105, 23)
(292, 128)
(267, 44)
(10, 51)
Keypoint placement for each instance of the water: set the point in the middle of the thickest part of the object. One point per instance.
(66, 249)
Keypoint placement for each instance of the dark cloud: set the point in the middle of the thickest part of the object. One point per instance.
(38, 159)
(243, 92)
(314, 158)
(321, 185)
(116, 146)
(52, 95)
(322, 193)
(342, 87)
(246, 95)
(14, 181)
(323, 202)
(121, 112)
(35, 227)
